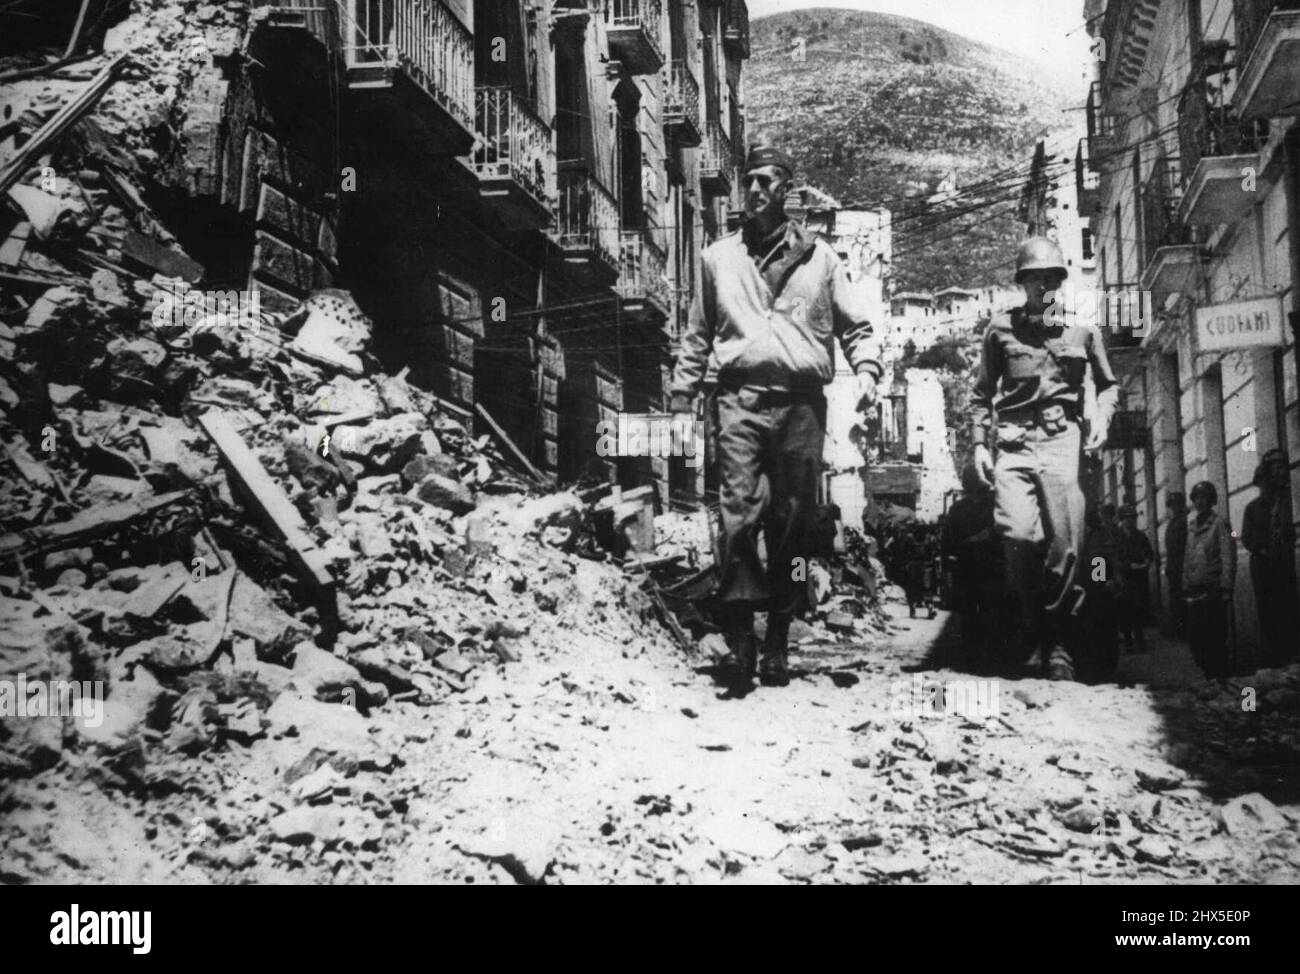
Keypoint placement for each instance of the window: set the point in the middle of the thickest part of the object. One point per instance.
(1086, 234)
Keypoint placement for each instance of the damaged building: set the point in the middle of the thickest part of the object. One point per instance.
(516, 194)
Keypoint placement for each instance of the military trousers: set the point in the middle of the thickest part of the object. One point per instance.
(770, 460)
(1039, 515)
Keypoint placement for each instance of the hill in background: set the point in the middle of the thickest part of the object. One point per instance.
(887, 110)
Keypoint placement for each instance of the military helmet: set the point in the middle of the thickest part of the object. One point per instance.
(1039, 254)
(1207, 489)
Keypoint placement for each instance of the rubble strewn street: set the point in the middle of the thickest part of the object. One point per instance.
(343, 630)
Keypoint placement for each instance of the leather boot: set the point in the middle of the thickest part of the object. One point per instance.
(774, 668)
(738, 631)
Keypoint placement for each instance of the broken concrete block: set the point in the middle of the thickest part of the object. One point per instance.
(309, 468)
(374, 665)
(325, 674)
(1250, 815)
(184, 648)
(255, 615)
(382, 445)
(1153, 848)
(333, 727)
(1156, 776)
(335, 329)
(131, 706)
(446, 493)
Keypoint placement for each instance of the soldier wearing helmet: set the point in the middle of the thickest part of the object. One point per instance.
(1028, 432)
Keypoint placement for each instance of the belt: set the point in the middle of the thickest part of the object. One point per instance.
(1034, 415)
(798, 386)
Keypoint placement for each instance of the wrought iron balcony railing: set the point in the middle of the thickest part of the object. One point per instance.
(635, 31)
(1161, 194)
(717, 159)
(1101, 128)
(642, 272)
(586, 216)
(1208, 125)
(516, 143)
(421, 38)
(682, 101)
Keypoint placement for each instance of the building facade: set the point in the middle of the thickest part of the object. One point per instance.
(517, 193)
(1189, 177)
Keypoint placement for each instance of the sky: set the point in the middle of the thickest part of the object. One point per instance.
(1050, 31)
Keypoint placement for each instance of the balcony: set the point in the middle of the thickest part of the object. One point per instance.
(411, 61)
(682, 105)
(735, 29)
(1268, 57)
(716, 162)
(1101, 130)
(634, 28)
(513, 158)
(643, 283)
(1215, 146)
(586, 220)
(1170, 254)
(1087, 183)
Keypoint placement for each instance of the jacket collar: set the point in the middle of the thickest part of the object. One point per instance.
(793, 248)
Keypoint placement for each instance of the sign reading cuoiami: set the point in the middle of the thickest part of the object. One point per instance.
(1240, 324)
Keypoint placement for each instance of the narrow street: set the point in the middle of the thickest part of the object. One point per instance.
(403, 406)
(591, 762)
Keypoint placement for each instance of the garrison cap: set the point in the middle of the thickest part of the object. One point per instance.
(768, 155)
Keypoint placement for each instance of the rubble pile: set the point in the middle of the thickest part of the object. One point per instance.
(145, 125)
(1040, 785)
(259, 544)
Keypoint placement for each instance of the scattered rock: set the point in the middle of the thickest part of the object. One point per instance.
(1250, 815)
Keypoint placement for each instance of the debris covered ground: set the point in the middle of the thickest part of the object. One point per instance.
(346, 639)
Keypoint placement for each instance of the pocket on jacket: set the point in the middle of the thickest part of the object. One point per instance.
(1072, 362)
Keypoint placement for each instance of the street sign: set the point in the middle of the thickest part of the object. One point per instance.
(1240, 324)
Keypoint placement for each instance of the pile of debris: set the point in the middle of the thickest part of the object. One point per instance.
(216, 509)
(257, 543)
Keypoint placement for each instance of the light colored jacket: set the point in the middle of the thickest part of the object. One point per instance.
(744, 330)
(1210, 565)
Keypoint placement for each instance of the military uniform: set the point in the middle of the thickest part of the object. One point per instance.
(1028, 407)
(970, 547)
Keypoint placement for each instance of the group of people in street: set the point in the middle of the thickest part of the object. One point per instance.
(1201, 569)
(910, 554)
(1043, 585)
